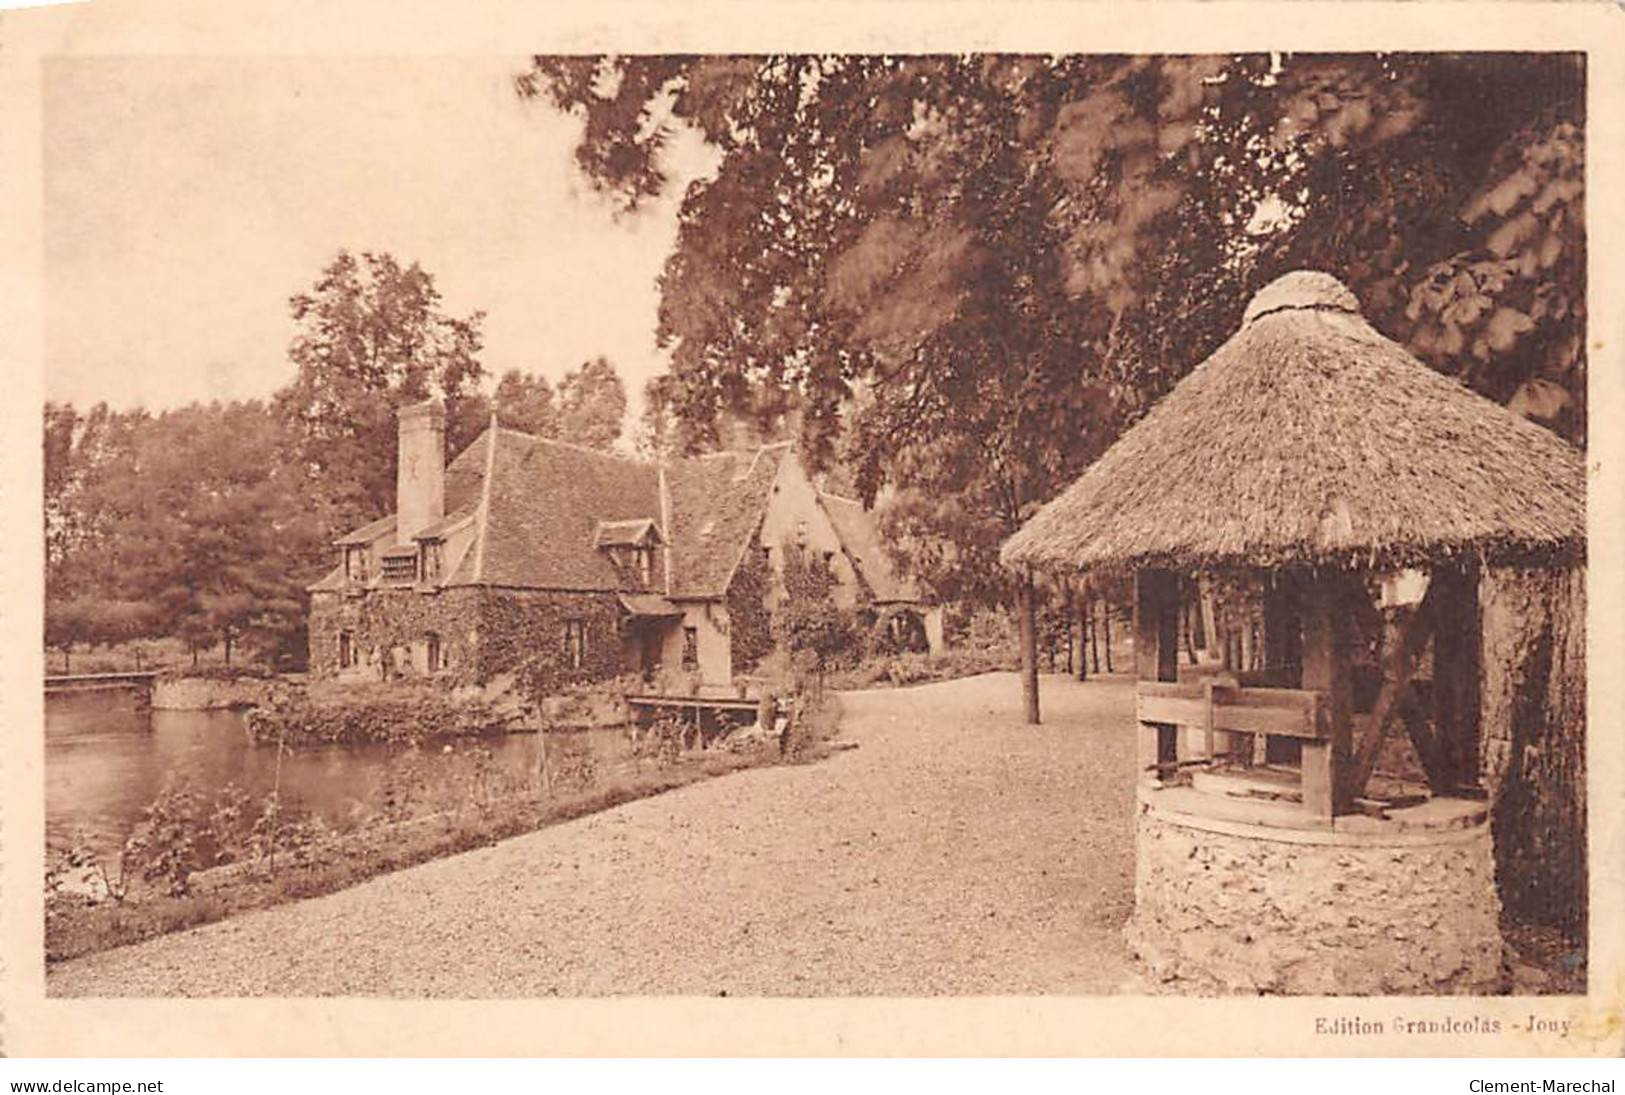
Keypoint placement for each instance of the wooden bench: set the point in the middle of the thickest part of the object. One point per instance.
(1217, 707)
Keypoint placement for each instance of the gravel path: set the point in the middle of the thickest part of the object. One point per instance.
(956, 851)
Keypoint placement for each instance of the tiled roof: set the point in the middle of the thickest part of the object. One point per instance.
(626, 533)
(450, 523)
(369, 532)
(550, 507)
(332, 580)
(542, 510)
(861, 539)
(649, 604)
(717, 504)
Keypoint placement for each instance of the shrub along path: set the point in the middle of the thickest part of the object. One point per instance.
(956, 851)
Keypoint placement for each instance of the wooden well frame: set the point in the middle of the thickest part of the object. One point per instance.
(1339, 748)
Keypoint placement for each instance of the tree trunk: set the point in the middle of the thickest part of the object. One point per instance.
(1094, 638)
(1028, 609)
(1532, 731)
(1108, 615)
(1083, 637)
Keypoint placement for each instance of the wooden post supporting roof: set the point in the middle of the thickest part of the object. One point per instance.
(1457, 638)
(1327, 638)
(1156, 653)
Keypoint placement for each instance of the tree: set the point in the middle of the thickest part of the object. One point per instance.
(592, 405)
(202, 530)
(525, 403)
(79, 450)
(372, 337)
(659, 430)
(807, 623)
(1002, 261)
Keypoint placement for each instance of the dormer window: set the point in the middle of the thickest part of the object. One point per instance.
(433, 554)
(630, 548)
(355, 563)
(400, 565)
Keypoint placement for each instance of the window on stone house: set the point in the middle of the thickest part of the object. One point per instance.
(400, 568)
(646, 563)
(433, 556)
(575, 643)
(691, 648)
(346, 649)
(436, 656)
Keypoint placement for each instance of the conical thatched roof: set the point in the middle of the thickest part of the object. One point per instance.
(1309, 438)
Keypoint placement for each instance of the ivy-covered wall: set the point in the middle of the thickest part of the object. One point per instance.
(483, 633)
(750, 621)
(525, 631)
(389, 632)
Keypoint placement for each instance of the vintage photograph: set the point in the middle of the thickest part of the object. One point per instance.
(815, 525)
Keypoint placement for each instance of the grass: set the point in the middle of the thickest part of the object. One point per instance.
(76, 926)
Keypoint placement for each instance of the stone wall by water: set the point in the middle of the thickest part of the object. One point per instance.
(1235, 912)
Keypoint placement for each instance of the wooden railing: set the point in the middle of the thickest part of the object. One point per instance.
(1219, 710)
(87, 682)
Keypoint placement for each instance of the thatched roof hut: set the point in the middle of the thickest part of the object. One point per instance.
(1309, 438)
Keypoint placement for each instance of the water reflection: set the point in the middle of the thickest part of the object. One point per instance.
(105, 760)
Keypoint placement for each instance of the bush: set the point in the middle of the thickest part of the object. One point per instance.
(215, 672)
(661, 741)
(372, 714)
(814, 722)
(181, 832)
(990, 632)
(165, 846)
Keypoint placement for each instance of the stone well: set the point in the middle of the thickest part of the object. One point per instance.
(1236, 896)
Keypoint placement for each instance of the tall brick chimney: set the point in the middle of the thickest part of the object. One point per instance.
(420, 469)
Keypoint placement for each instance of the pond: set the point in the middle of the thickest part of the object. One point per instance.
(106, 759)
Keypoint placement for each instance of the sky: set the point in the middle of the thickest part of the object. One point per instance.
(186, 199)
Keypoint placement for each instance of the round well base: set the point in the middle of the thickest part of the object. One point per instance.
(1242, 897)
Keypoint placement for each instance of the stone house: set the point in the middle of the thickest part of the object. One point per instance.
(602, 563)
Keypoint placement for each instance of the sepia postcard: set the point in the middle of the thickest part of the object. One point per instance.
(813, 529)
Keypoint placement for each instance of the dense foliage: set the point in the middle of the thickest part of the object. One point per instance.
(968, 274)
(206, 523)
(817, 633)
(398, 714)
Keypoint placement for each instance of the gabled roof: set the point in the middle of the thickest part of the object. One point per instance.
(641, 530)
(538, 517)
(1309, 438)
(716, 504)
(861, 538)
(543, 512)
